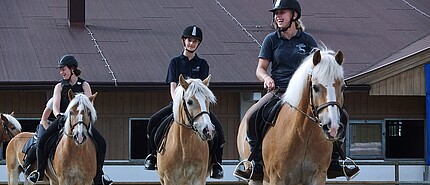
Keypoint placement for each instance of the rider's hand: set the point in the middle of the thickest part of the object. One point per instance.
(269, 84)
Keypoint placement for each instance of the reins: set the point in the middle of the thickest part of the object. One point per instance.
(315, 109)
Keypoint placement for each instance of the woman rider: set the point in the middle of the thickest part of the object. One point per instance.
(284, 49)
(68, 68)
(190, 66)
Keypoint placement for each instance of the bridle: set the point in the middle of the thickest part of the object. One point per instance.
(317, 109)
(6, 130)
(190, 118)
(79, 122)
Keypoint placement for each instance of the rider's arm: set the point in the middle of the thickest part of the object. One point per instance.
(173, 86)
(87, 89)
(56, 99)
(262, 74)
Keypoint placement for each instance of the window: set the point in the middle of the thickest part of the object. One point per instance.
(365, 139)
(405, 139)
(138, 140)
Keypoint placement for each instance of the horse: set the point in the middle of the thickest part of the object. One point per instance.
(15, 157)
(297, 148)
(74, 160)
(11, 130)
(185, 157)
(10, 127)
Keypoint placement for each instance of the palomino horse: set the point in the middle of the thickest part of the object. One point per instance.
(10, 127)
(185, 158)
(297, 148)
(15, 157)
(75, 157)
(11, 130)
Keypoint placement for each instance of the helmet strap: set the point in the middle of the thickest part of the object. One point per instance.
(183, 42)
(71, 73)
(289, 25)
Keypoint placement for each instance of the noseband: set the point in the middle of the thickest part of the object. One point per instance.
(88, 127)
(190, 118)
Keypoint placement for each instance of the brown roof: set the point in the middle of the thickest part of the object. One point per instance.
(131, 42)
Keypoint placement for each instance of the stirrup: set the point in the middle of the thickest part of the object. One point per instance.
(243, 163)
(107, 179)
(344, 165)
(37, 174)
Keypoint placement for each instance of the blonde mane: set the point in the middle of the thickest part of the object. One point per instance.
(324, 72)
(195, 88)
(14, 121)
(82, 101)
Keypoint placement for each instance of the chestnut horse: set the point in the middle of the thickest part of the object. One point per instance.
(15, 157)
(185, 157)
(10, 127)
(297, 148)
(75, 156)
(10, 131)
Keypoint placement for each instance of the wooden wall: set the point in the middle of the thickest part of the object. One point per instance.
(116, 108)
(407, 83)
(360, 105)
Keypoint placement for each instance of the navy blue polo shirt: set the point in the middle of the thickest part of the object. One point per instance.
(194, 68)
(286, 55)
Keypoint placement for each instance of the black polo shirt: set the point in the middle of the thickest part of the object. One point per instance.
(286, 55)
(194, 68)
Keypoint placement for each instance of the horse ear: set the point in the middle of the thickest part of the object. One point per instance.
(317, 57)
(12, 113)
(71, 94)
(92, 97)
(183, 82)
(206, 81)
(339, 57)
(3, 118)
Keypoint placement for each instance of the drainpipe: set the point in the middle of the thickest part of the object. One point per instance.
(427, 135)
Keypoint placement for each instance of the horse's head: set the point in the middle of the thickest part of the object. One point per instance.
(80, 114)
(10, 127)
(326, 92)
(191, 106)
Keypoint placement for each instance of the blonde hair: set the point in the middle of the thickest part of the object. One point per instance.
(299, 25)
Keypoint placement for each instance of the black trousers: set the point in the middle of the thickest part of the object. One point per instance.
(52, 131)
(159, 116)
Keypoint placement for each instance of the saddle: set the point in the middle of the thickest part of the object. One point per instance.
(266, 116)
(54, 140)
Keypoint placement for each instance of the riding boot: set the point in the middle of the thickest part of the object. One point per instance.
(257, 164)
(38, 174)
(151, 161)
(336, 170)
(30, 157)
(217, 171)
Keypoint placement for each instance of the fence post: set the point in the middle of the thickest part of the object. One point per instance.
(396, 172)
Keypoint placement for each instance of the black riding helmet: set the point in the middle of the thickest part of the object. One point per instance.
(67, 60)
(192, 32)
(288, 4)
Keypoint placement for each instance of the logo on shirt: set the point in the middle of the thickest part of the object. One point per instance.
(197, 69)
(301, 48)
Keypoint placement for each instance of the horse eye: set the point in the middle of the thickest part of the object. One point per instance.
(190, 102)
(315, 88)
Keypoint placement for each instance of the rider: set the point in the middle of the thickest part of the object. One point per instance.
(191, 66)
(284, 49)
(68, 68)
(47, 116)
